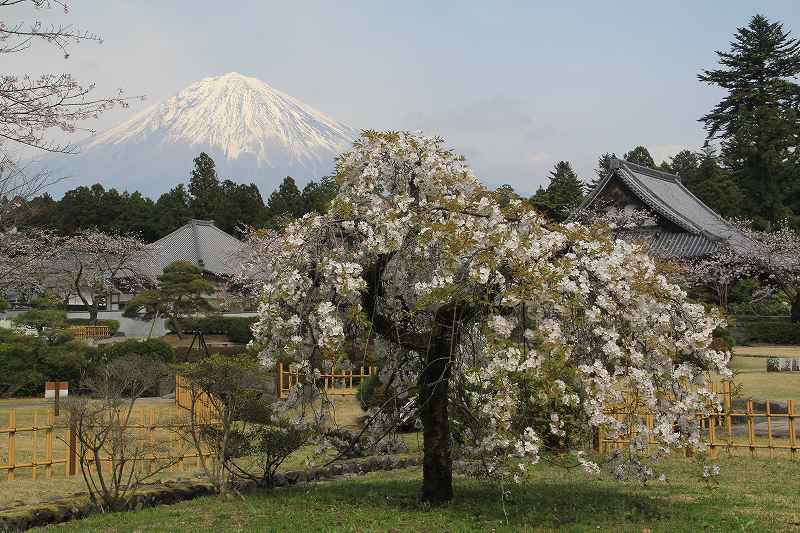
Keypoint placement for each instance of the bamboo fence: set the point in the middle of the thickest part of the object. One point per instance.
(341, 383)
(772, 429)
(184, 394)
(50, 448)
(90, 332)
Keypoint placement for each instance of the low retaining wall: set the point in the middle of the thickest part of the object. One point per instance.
(169, 492)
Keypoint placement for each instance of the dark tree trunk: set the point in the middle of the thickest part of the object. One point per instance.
(796, 307)
(437, 469)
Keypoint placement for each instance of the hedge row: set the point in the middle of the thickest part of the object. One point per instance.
(237, 329)
(113, 325)
(769, 332)
(155, 348)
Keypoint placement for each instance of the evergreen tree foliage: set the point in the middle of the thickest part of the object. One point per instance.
(602, 171)
(759, 117)
(563, 194)
(317, 196)
(205, 190)
(173, 210)
(181, 292)
(684, 164)
(240, 205)
(640, 156)
(286, 201)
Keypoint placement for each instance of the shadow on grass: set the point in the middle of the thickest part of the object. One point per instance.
(560, 504)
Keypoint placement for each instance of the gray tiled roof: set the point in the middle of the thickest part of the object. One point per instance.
(666, 195)
(201, 243)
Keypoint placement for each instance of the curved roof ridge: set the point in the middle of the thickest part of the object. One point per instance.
(652, 199)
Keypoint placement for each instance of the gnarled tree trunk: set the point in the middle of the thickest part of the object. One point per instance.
(437, 469)
(796, 307)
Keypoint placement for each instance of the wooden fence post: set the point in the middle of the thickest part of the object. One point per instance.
(72, 451)
(152, 439)
(48, 445)
(727, 406)
(34, 429)
(769, 431)
(792, 430)
(12, 442)
(280, 380)
(751, 435)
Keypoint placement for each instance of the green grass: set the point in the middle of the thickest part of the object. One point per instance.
(750, 365)
(767, 350)
(754, 495)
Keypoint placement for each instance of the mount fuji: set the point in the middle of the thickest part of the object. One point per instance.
(251, 130)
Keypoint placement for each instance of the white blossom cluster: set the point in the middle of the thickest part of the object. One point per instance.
(567, 316)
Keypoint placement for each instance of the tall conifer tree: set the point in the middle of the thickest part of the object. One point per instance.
(759, 118)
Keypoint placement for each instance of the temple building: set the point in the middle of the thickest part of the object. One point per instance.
(678, 224)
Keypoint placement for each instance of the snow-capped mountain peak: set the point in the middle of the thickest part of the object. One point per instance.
(252, 130)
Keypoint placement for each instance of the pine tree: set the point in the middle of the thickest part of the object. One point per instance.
(758, 120)
(317, 196)
(684, 164)
(564, 192)
(240, 205)
(204, 188)
(602, 171)
(182, 292)
(715, 186)
(286, 201)
(640, 156)
(173, 210)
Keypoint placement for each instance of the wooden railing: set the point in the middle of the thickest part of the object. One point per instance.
(341, 383)
(90, 332)
(773, 428)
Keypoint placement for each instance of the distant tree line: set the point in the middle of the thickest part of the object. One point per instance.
(230, 205)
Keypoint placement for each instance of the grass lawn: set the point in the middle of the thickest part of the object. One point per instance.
(767, 350)
(754, 495)
(750, 365)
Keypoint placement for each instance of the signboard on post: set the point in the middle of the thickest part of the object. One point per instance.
(56, 388)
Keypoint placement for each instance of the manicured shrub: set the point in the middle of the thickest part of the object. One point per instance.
(28, 361)
(723, 339)
(371, 393)
(770, 332)
(154, 348)
(237, 329)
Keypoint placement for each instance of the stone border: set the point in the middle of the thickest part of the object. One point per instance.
(170, 492)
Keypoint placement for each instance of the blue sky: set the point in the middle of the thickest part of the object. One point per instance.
(515, 86)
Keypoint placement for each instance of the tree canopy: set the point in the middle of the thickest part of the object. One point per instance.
(496, 328)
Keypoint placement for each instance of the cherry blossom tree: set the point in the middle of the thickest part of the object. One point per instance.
(32, 105)
(487, 317)
(776, 256)
(92, 264)
(23, 256)
(720, 271)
